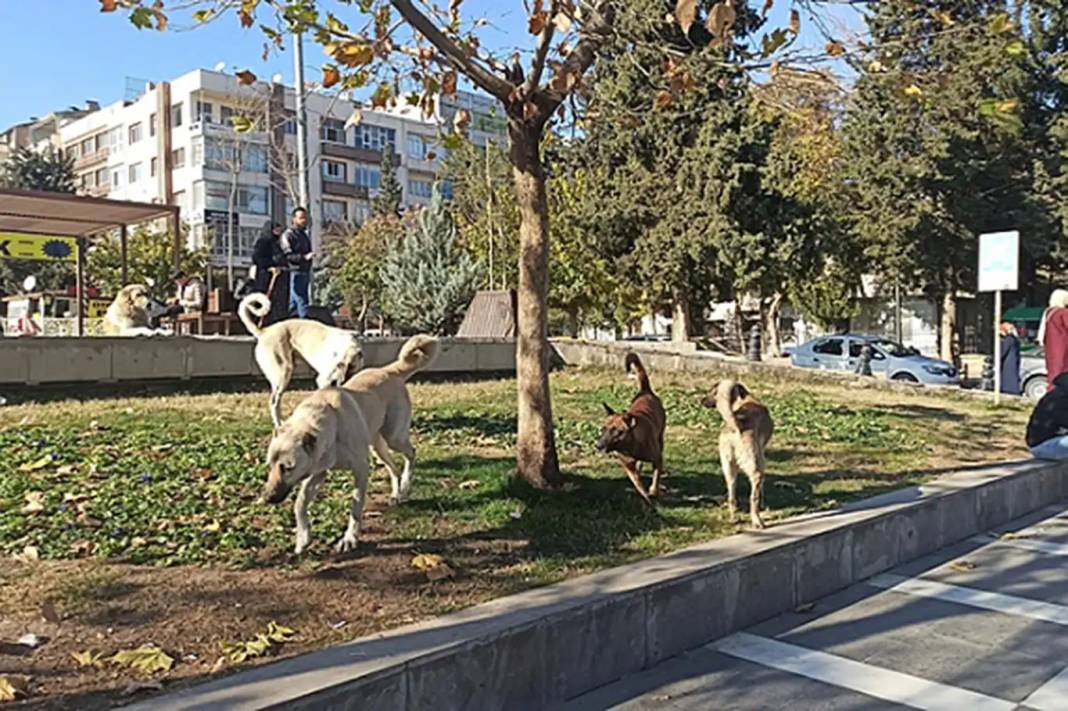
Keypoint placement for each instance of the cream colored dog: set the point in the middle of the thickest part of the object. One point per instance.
(326, 431)
(128, 313)
(382, 394)
(332, 352)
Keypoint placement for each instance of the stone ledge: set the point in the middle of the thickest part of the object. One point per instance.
(546, 645)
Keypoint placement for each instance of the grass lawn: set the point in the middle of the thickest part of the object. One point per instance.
(142, 511)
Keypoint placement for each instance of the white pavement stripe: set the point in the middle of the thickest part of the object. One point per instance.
(996, 602)
(1051, 696)
(1028, 544)
(856, 676)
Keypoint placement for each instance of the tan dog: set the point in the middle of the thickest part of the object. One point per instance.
(747, 428)
(128, 314)
(637, 435)
(333, 353)
(382, 394)
(326, 431)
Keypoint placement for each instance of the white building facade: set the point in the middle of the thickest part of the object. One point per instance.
(176, 144)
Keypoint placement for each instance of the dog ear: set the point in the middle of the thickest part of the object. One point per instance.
(308, 443)
(740, 392)
(607, 410)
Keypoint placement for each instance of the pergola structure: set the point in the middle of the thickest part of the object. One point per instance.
(45, 214)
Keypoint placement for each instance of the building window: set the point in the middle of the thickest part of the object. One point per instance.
(103, 177)
(333, 171)
(136, 131)
(114, 138)
(369, 176)
(178, 158)
(116, 177)
(87, 180)
(418, 147)
(249, 199)
(446, 189)
(179, 200)
(291, 127)
(333, 130)
(254, 158)
(153, 165)
(73, 151)
(226, 113)
(176, 115)
(243, 239)
(419, 188)
(152, 125)
(203, 112)
(334, 211)
(216, 155)
(135, 173)
(361, 213)
(89, 146)
(374, 138)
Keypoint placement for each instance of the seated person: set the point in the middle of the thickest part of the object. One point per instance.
(189, 295)
(1047, 430)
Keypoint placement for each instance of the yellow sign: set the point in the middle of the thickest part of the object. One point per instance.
(96, 308)
(16, 245)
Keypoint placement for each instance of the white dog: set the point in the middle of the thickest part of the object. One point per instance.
(128, 314)
(382, 394)
(332, 352)
(326, 431)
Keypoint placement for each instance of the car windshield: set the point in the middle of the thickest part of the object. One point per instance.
(893, 348)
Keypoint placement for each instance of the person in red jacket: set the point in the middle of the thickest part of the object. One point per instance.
(1053, 335)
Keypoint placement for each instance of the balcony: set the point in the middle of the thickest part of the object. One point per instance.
(340, 189)
(99, 156)
(330, 149)
(219, 130)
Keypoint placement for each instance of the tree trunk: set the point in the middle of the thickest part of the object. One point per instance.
(680, 316)
(772, 336)
(536, 459)
(948, 330)
(573, 322)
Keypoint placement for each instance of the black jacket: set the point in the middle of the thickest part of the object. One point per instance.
(296, 243)
(266, 253)
(1050, 417)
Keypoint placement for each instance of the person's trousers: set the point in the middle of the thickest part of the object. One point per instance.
(298, 293)
(1056, 449)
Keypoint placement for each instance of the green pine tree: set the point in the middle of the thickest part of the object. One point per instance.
(390, 192)
(428, 280)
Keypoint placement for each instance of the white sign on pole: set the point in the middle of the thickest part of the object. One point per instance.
(999, 261)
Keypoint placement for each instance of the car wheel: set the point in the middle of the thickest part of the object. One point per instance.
(1035, 387)
(905, 378)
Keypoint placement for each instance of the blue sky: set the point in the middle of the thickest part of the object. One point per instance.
(67, 51)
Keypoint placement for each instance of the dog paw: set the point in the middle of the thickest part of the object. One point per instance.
(757, 523)
(345, 544)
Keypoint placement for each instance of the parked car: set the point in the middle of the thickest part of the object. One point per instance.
(889, 359)
(1033, 374)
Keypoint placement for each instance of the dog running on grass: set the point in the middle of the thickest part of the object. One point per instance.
(747, 428)
(333, 353)
(326, 431)
(382, 394)
(637, 435)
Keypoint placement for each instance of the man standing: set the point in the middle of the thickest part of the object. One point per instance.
(296, 245)
(1010, 360)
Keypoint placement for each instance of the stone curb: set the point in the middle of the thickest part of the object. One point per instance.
(666, 357)
(541, 647)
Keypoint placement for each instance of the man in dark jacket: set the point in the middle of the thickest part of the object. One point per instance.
(297, 248)
(1010, 360)
(1047, 430)
(267, 255)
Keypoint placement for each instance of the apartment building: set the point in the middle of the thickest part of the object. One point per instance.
(176, 143)
(41, 133)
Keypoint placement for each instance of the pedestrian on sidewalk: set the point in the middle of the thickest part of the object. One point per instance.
(296, 245)
(1047, 430)
(267, 255)
(1053, 335)
(1010, 359)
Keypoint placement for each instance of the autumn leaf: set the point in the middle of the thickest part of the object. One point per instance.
(685, 14)
(29, 554)
(354, 54)
(795, 21)
(241, 124)
(875, 66)
(461, 120)
(354, 119)
(562, 22)
(382, 95)
(12, 687)
(563, 82)
(247, 19)
(721, 20)
(34, 503)
(662, 100)
(962, 566)
(108, 5)
(37, 464)
(945, 18)
(202, 16)
(1006, 106)
(245, 77)
(537, 23)
(88, 658)
(448, 83)
(835, 49)
(145, 659)
(331, 76)
(1015, 49)
(999, 23)
(913, 90)
(470, 484)
(770, 43)
(767, 7)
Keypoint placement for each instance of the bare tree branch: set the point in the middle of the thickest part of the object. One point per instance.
(540, 54)
(592, 35)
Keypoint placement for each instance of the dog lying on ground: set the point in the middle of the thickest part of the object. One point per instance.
(382, 394)
(747, 428)
(333, 353)
(637, 435)
(326, 431)
(128, 314)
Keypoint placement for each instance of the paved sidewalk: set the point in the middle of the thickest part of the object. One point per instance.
(980, 625)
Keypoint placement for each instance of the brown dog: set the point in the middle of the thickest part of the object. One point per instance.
(637, 435)
(747, 428)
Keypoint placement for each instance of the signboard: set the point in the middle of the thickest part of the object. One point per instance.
(16, 245)
(999, 261)
(220, 217)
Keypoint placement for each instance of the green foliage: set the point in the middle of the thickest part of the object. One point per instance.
(390, 193)
(48, 170)
(149, 258)
(427, 279)
(352, 265)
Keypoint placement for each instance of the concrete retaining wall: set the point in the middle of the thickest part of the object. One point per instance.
(547, 645)
(32, 361)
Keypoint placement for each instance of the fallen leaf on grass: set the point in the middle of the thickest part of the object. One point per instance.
(29, 554)
(82, 547)
(213, 527)
(34, 503)
(1013, 536)
(66, 470)
(433, 565)
(71, 498)
(205, 474)
(962, 566)
(145, 659)
(470, 484)
(12, 687)
(37, 464)
(88, 658)
(237, 652)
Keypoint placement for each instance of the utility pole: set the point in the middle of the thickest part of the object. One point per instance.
(302, 120)
(489, 212)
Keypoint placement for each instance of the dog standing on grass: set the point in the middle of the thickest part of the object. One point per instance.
(326, 431)
(747, 428)
(637, 435)
(333, 353)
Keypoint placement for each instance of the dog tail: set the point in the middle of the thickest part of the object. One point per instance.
(417, 353)
(726, 392)
(633, 362)
(252, 307)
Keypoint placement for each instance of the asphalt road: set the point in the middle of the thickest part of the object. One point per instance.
(980, 625)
